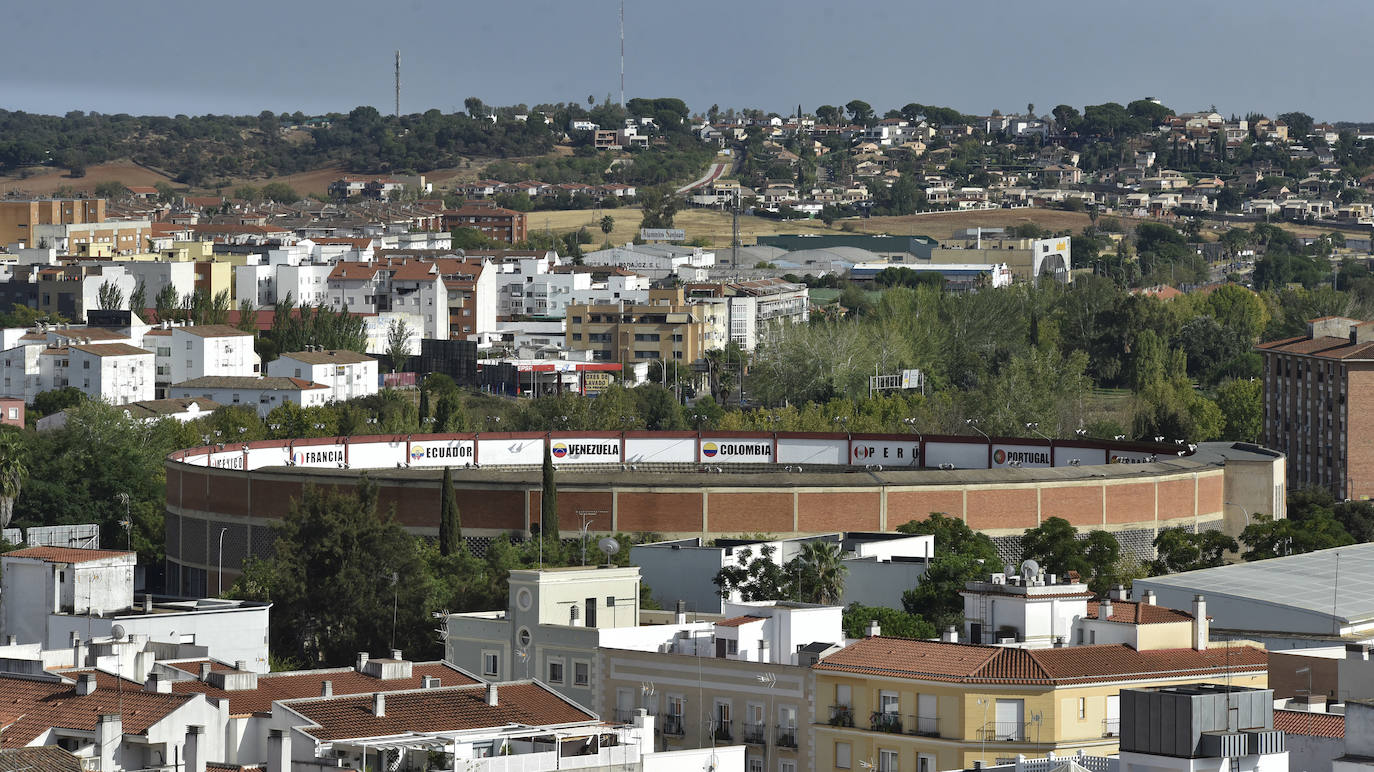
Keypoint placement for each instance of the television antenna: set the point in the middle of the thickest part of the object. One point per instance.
(622, 57)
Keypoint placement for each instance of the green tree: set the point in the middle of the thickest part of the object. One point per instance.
(1055, 546)
(1267, 538)
(56, 400)
(165, 304)
(548, 500)
(109, 297)
(607, 224)
(248, 317)
(1178, 549)
(138, 301)
(658, 204)
(861, 112)
(450, 524)
(962, 555)
(338, 563)
(13, 471)
(755, 577)
(110, 189)
(1242, 408)
(398, 335)
(893, 622)
(280, 192)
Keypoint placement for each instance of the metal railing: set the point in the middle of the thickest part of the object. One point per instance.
(885, 722)
(1111, 727)
(624, 715)
(1004, 731)
(841, 715)
(924, 726)
(671, 724)
(756, 734)
(787, 736)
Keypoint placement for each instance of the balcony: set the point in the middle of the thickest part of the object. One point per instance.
(756, 734)
(624, 715)
(787, 736)
(923, 726)
(1004, 731)
(671, 724)
(722, 731)
(1111, 727)
(885, 722)
(841, 715)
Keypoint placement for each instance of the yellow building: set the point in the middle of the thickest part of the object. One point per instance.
(667, 327)
(904, 705)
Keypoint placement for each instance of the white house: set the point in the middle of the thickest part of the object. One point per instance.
(113, 372)
(348, 374)
(264, 393)
(203, 349)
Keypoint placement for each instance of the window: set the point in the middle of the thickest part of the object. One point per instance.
(188, 345)
(842, 753)
(582, 673)
(787, 765)
(85, 364)
(1082, 708)
(888, 703)
(925, 762)
(887, 761)
(556, 671)
(491, 663)
(842, 694)
(577, 320)
(577, 336)
(13, 412)
(755, 764)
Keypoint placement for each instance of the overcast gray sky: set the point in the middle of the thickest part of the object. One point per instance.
(165, 57)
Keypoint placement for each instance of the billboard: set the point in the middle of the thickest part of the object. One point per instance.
(440, 452)
(886, 452)
(510, 451)
(963, 455)
(318, 455)
(736, 450)
(1129, 457)
(1021, 455)
(812, 451)
(584, 450)
(661, 450)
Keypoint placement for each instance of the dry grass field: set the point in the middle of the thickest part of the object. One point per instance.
(49, 181)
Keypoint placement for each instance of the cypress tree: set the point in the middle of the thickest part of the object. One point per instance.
(548, 502)
(450, 521)
(424, 406)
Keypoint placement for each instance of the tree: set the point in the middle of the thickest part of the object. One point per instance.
(754, 577)
(338, 563)
(861, 112)
(450, 523)
(280, 192)
(110, 189)
(13, 471)
(1179, 549)
(962, 555)
(109, 297)
(1267, 538)
(607, 224)
(893, 622)
(1242, 407)
(1054, 545)
(248, 317)
(821, 572)
(165, 304)
(657, 204)
(56, 400)
(398, 335)
(1299, 125)
(548, 500)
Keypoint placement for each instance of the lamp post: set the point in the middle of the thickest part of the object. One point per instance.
(920, 459)
(1243, 510)
(1034, 426)
(974, 426)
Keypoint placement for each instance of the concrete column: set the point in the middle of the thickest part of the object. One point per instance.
(194, 749)
(109, 735)
(278, 751)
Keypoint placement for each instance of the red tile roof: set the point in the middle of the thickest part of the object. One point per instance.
(41, 705)
(439, 710)
(64, 555)
(737, 621)
(1323, 347)
(111, 349)
(1310, 724)
(969, 663)
(295, 685)
(1135, 613)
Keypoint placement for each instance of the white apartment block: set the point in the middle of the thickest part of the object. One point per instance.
(184, 353)
(154, 276)
(348, 374)
(263, 393)
(113, 372)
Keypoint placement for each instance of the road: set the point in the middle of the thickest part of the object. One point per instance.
(712, 174)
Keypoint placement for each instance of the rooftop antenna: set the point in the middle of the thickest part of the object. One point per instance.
(398, 83)
(622, 54)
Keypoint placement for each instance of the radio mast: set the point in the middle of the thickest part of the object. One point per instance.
(622, 54)
(398, 84)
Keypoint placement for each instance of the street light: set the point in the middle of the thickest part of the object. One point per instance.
(1243, 510)
(1034, 426)
(970, 423)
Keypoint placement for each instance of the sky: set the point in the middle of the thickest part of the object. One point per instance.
(164, 57)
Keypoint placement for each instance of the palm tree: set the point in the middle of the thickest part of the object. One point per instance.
(821, 572)
(13, 471)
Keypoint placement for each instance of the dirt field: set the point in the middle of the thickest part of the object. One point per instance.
(50, 180)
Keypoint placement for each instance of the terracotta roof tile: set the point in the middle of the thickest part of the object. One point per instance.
(1324, 347)
(1310, 724)
(344, 681)
(438, 710)
(46, 704)
(65, 554)
(214, 331)
(737, 621)
(40, 758)
(969, 663)
(1135, 613)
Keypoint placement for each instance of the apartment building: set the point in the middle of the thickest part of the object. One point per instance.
(490, 220)
(753, 306)
(263, 393)
(666, 327)
(186, 353)
(901, 705)
(348, 374)
(113, 372)
(19, 218)
(1318, 388)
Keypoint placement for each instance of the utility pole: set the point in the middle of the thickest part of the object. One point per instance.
(398, 83)
(622, 54)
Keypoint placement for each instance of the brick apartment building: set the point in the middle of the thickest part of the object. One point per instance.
(1319, 405)
(488, 219)
(18, 218)
(666, 328)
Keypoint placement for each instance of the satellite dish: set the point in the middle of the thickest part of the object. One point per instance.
(608, 546)
(1029, 569)
(117, 632)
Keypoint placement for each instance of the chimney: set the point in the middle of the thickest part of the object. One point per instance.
(379, 704)
(278, 751)
(157, 684)
(396, 654)
(680, 614)
(11, 640)
(85, 684)
(76, 651)
(1120, 593)
(950, 635)
(491, 695)
(147, 604)
(362, 661)
(109, 735)
(241, 665)
(1200, 623)
(326, 688)
(1104, 609)
(205, 671)
(874, 629)
(1149, 598)
(193, 750)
